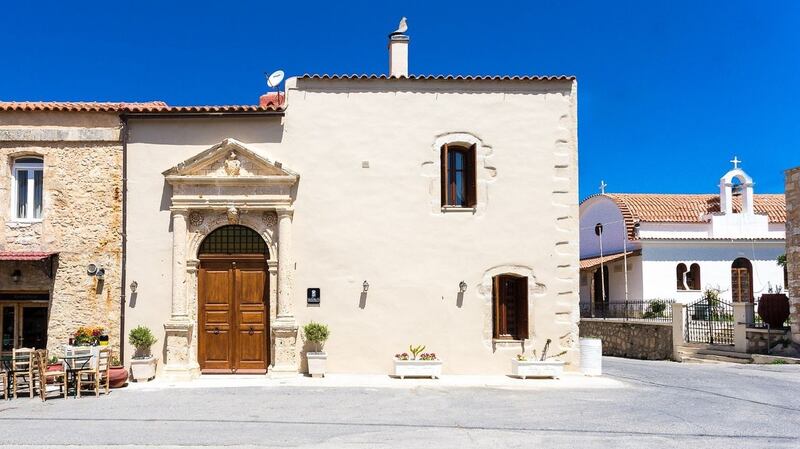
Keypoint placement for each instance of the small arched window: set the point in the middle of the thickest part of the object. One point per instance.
(693, 277)
(458, 176)
(680, 276)
(28, 188)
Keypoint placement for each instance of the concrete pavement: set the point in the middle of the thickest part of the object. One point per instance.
(646, 404)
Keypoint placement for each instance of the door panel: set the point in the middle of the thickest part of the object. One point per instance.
(233, 315)
(215, 299)
(34, 327)
(251, 318)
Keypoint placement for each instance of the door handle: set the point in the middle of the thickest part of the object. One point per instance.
(251, 331)
(216, 331)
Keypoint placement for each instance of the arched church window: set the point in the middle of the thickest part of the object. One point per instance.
(742, 280)
(680, 276)
(693, 277)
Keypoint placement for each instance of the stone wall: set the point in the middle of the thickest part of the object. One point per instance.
(634, 340)
(757, 339)
(82, 217)
(793, 247)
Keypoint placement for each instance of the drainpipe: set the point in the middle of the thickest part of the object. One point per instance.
(123, 293)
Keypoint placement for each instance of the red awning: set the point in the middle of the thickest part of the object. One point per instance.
(24, 255)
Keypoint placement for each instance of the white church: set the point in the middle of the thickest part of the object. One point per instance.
(638, 247)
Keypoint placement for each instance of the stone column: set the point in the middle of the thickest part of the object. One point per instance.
(742, 316)
(284, 328)
(678, 329)
(179, 363)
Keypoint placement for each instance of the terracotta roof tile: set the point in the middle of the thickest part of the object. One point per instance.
(594, 261)
(125, 107)
(364, 76)
(688, 208)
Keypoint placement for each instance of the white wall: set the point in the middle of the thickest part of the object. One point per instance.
(715, 258)
(616, 281)
(601, 209)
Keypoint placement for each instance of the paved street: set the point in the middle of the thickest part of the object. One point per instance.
(660, 404)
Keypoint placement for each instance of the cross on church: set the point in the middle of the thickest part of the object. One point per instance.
(735, 162)
(603, 186)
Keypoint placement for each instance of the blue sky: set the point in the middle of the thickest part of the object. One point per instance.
(669, 91)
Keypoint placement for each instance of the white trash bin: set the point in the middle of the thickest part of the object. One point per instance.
(591, 356)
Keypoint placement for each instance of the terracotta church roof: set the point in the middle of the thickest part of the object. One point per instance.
(687, 208)
(268, 103)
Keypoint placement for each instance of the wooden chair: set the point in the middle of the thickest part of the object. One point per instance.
(22, 375)
(97, 376)
(59, 377)
(4, 381)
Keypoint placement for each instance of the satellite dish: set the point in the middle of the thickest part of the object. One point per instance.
(275, 79)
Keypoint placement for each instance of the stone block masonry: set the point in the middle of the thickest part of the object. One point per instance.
(634, 340)
(81, 219)
(793, 247)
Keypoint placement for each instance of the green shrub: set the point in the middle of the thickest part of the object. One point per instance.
(142, 339)
(655, 309)
(316, 334)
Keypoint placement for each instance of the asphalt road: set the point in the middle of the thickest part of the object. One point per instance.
(662, 404)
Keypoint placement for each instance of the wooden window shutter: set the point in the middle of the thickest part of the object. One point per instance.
(496, 306)
(472, 197)
(736, 287)
(444, 181)
(695, 270)
(522, 308)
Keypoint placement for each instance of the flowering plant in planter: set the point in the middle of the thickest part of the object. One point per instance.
(88, 336)
(420, 364)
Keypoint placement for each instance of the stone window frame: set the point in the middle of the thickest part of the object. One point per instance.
(484, 173)
(30, 167)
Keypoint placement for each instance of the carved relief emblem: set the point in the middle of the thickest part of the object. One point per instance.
(269, 218)
(233, 215)
(233, 165)
(196, 218)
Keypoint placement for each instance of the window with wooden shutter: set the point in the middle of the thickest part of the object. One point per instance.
(510, 300)
(458, 184)
(693, 277)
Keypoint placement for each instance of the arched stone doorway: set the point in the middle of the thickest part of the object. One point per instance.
(230, 184)
(742, 280)
(233, 301)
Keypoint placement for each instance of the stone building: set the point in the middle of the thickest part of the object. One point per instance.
(398, 209)
(61, 187)
(793, 247)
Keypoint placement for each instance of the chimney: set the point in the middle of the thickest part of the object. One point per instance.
(398, 51)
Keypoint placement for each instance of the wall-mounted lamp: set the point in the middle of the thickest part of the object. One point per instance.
(462, 286)
(101, 274)
(134, 286)
(366, 286)
(16, 275)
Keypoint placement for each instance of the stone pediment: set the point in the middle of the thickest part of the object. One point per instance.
(229, 162)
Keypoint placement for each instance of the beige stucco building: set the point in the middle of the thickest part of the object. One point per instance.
(431, 210)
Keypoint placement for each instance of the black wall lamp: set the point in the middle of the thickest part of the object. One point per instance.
(16, 275)
(366, 286)
(462, 286)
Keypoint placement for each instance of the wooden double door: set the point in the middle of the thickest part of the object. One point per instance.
(233, 335)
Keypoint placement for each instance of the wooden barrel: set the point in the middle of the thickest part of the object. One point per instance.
(773, 308)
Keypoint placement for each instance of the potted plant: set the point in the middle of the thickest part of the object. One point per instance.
(420, 364)
(87, 336)
(316, 335)
(543, 366)
(143, 364)
(118, 375)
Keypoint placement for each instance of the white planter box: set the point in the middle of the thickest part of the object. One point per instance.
(316, 363)
(591, 356)
(143, 369)
(535, 368)
(418, 368)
